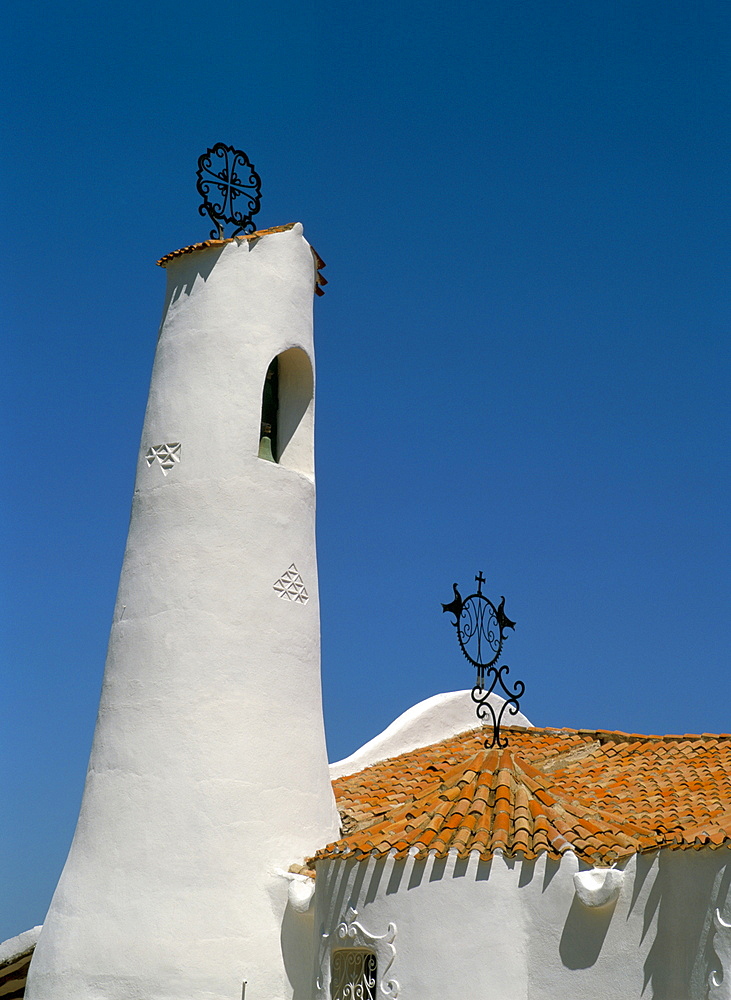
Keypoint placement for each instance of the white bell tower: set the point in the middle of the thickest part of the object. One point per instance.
(208, 769)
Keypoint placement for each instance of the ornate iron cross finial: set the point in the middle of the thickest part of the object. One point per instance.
(481, 633)
(230, 188)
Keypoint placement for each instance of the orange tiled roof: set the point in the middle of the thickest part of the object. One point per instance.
(319, 262)
(603, 795)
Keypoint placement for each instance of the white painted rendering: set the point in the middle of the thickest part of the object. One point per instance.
(437, 718)
(515, 930)
(208, 769)
(598, 886)
(301, 891)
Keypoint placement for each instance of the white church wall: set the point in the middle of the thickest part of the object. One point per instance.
(517, 930)
(200, 784)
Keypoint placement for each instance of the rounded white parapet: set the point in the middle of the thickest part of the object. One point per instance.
(437, 718)
(19, 945)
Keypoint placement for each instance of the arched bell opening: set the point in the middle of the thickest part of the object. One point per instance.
(286, 435)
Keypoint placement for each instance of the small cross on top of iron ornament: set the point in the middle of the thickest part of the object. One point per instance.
(230, 188)
(481, 632)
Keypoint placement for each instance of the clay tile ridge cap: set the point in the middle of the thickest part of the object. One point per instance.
(241, 237)
(615, 736)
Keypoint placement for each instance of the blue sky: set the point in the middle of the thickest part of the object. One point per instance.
(523, 352)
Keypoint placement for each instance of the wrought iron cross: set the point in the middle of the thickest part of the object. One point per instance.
(230, 188)
(481, 629)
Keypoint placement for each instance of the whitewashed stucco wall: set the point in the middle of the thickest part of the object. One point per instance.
(199, 786)
(513, 930)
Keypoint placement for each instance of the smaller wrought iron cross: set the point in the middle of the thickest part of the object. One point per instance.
(480, 627)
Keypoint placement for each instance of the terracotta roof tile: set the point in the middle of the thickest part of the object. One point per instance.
(601, 794)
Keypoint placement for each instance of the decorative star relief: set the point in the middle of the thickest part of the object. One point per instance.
(291, 587)
(166, 455)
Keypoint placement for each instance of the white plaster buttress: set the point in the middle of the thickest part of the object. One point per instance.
(208, 767)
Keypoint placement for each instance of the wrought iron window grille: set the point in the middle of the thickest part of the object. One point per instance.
(351, 936)
(354, 975)
(481, 631)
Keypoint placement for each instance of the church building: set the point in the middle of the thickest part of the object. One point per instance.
(218, 856)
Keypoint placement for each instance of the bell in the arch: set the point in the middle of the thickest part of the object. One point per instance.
(265, 444)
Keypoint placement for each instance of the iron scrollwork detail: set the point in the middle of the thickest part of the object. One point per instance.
(230, 188)
(481, 632)
(354, 975)
(721, 944)
(350, 934)
(480, 696)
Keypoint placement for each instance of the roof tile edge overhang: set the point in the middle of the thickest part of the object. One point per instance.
(320, 281)
(326, 854)
(596, 834)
